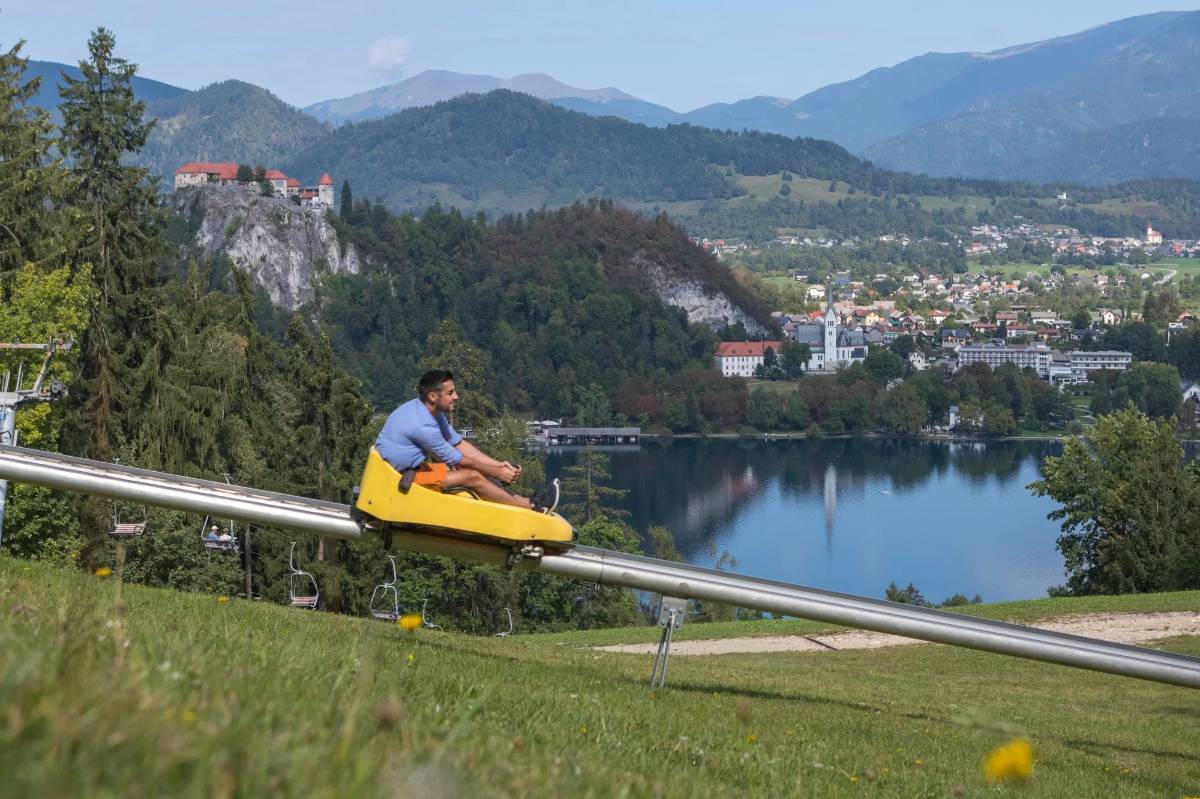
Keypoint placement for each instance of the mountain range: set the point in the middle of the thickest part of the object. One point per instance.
(1112, 103)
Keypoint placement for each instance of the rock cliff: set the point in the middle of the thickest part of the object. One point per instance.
(703, 305)
(283, 246)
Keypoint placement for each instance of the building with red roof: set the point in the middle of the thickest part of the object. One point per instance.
(202, 173)
(199, 173)
(742, 358)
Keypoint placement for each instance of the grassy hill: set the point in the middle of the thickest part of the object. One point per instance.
(121, 690)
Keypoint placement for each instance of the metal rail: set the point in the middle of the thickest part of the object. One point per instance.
(605, 568)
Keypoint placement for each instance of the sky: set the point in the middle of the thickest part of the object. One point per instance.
(675, 53)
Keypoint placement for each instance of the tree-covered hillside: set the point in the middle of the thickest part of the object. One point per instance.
(562, 302)
(505, 151)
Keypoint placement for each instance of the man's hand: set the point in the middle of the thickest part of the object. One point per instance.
(506, 472)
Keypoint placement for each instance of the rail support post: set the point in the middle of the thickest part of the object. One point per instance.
(671, 611)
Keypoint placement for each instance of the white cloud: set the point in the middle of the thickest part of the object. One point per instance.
(388, 54)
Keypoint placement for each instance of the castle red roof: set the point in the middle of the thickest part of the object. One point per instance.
(751, 349)
(223, 171)
(326, 180)
(293, 182)
(275, 174)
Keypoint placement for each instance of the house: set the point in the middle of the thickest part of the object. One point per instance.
(198, 173)
(742, 358)
(954, 337)
(1153, 237)
(916, 359)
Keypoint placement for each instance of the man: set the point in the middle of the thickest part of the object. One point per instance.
(419, 428)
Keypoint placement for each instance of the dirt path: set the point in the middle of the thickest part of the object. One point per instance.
(1124, 628)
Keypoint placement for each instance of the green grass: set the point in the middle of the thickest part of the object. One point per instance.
(170, 694)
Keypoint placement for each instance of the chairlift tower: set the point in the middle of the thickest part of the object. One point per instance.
(12, 396)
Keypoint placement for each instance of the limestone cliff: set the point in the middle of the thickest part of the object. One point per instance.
(703, 305)
(283, 246)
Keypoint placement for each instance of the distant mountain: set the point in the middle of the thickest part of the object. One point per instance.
(1036, 112)
(435, 85)
(51, 74)
(507, 151)
(227, 121)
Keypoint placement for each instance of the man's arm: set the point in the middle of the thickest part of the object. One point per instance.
(475, 458)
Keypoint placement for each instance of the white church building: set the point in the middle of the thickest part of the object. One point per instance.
(833, 345)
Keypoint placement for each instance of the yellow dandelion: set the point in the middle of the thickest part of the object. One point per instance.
(920, 761)
(222, 600)
(409, 621)
(411, 658)
(853, 778)
(753, 739)
(1013, 761)
(583, 730)
(103, 571)
(188, 715)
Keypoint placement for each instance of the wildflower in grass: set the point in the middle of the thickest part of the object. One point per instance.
(222, 600)
(582, 730)
(411, 658)
(188, 715)
(752, 739)
(103, 571)
(1013, 761)
(409, 621)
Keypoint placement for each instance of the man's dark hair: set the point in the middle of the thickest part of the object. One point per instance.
(432, 381)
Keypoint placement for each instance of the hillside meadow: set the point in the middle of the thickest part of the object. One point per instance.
(110, 690)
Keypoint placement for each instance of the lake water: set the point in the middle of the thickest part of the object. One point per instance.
(851, 514)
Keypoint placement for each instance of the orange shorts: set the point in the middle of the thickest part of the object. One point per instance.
(432, 475)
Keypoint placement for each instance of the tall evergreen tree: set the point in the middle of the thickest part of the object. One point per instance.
(103, 123)
(29, 176)
(346, 208)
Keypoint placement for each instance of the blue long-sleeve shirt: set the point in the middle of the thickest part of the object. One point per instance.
(411, 432)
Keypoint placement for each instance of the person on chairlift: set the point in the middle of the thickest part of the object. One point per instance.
(419, 429)
(214, 534)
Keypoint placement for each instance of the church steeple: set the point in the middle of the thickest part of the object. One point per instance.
(831, 320)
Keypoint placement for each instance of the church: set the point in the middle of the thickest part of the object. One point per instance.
(833, 345)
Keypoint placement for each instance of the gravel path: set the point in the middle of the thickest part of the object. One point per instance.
(1124, 628)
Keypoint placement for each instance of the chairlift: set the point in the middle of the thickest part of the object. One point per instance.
(123, 531)
(213, 538)
(507, 632)
(302, 586)
(425, 622)
(385, 599)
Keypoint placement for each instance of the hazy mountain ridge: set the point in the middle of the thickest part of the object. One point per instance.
(435, 85)
(1122, 78)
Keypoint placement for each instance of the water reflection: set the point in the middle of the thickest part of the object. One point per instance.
(949, 516)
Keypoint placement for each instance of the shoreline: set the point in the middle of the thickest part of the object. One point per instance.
(796, 435)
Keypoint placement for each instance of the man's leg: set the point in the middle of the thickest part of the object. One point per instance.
(485, 488)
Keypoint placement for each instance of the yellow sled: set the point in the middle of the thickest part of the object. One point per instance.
(381, 497)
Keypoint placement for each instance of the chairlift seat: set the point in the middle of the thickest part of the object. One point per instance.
(309, 602)
(384, 615)
(224, 546)
(127, 530)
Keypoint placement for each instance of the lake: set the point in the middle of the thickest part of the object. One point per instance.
(850, 514)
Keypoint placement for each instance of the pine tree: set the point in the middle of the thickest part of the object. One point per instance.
(346, 209)
(31, 181)
(102, 124)
(585, 489)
